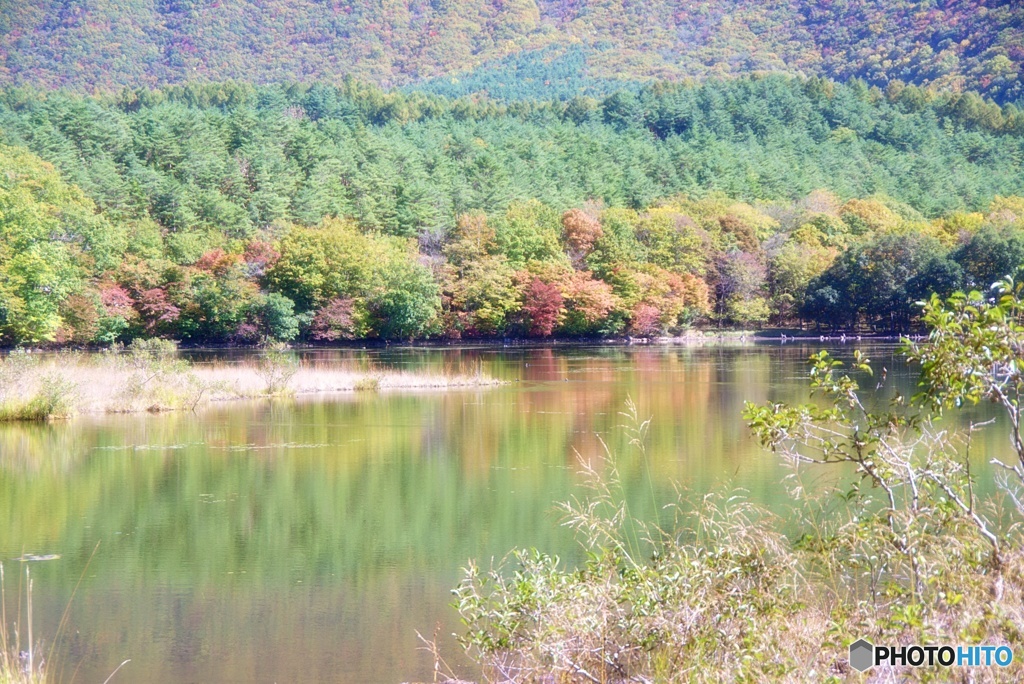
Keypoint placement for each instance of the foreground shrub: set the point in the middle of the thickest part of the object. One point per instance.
(903, 550)
(658, 609)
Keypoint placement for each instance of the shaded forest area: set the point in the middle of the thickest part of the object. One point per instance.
(230, 213)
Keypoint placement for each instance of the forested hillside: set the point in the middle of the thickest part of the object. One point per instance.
(952, 44)
(227, 213)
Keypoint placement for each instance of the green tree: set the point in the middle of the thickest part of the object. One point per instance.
(50, 238)
(990, 254)
(277, 314)
(404, 300)
(882, 280)
(319, 264)
(529, 231)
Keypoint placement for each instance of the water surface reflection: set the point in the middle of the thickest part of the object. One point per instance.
(310, 539)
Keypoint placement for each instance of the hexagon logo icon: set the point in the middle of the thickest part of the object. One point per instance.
(861, 655)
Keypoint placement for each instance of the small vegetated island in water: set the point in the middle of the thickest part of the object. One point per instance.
(151, 376)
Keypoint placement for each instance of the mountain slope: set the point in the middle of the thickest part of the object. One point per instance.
(954, 44)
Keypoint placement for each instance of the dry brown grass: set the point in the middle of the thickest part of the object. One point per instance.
(113, 383)
(243, 380)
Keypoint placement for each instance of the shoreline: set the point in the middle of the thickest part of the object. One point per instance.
(709, 336)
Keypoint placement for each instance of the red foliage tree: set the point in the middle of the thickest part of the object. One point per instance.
(259, 257)
(334, 321)
(217, 262)
(592, 299)
(588, 302)
(247, 333)
(116, 301)
(156, 309)
(543, 306)
(645, 320)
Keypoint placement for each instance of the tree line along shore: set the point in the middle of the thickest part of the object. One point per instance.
(233, 214)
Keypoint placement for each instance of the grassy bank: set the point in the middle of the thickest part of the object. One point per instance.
(151, 376)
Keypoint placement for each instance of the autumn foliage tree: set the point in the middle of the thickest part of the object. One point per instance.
(580, 232)
(543, 307)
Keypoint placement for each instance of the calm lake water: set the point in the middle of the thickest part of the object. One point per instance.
(309, 540)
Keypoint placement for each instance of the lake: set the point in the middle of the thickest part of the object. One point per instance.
(310, 539)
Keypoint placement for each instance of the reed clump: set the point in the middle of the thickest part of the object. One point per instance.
(644, 606)
(368, 383)
(649, 604)
(31, 392)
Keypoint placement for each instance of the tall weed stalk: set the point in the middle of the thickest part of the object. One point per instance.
(20, 663)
